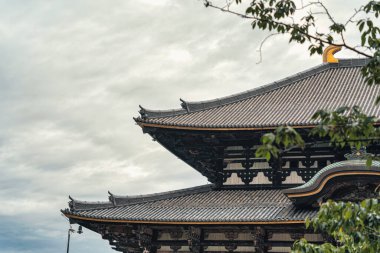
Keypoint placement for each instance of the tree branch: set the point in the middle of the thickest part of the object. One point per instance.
(261, 46)
(290, 26)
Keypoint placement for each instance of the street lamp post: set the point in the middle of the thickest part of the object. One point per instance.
(71, 230)
(68, 238)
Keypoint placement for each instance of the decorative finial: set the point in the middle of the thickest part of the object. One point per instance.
(358, 154)
(328, 54)
(184, 105)
(143, 112)
(111, 198)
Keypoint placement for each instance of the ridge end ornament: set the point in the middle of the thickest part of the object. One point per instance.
(328, 54)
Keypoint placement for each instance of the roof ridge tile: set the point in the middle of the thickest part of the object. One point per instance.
(138, 199)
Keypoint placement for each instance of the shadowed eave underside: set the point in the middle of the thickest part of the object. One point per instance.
(291, 101)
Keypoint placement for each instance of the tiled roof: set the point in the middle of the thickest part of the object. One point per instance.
(291, 101)
(198, 204)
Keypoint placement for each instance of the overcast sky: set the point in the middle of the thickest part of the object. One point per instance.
(72, 74)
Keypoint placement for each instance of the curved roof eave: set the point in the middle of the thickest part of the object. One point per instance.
(160, 222)
(339, 169)
(189, 107)
(199, 128)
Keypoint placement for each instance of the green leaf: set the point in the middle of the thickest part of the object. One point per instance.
(361, 25)
(363, 39)
(369, 161)
(347, 214)
(307, 222)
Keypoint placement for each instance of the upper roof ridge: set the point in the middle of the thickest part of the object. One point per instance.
(117, 200)
(135, 199)
(189, 107)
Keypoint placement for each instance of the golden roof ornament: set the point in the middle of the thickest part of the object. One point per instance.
(328, 54)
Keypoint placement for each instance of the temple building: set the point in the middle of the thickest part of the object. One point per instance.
(250, 205)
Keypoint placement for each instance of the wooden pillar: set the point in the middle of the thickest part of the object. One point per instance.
(144, 236)
(194, 239)
(259, 240)
(276, 164)
(219, 166)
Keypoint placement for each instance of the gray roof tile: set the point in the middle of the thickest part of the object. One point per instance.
(199, 204)
(291, 101)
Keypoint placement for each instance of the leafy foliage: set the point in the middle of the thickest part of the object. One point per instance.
(352, 227)
(371, 36)
(283, 138)
(343, 127)
(346, 127)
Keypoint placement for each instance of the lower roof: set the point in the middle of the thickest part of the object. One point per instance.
(196, 205)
